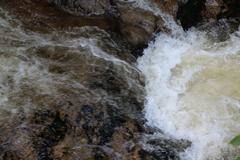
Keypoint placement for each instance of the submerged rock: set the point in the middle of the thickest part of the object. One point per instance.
(137, 25)
(84, 7)
(73, 94)
(43, 16)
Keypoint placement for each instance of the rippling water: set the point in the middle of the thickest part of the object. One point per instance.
(192, 79)
(71, 71)
(193, 91)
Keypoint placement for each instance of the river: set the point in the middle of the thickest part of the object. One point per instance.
(192, 83)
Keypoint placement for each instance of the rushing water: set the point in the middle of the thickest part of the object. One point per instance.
(193, 91)
(39, 69)
(192, 79)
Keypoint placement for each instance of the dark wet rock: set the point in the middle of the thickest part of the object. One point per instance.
(189, 13)
(217, 9)
(220, 31)
(161, 147)
(133, 24)
(94, 109)
(55, 131)
(170, 7)
(194, 12)
(169, 144)
(213, 8)
(158, 154)
(137, 25)
(85, 7)
(93, 106)
(231, 8)
(46, 17)
(79, 7)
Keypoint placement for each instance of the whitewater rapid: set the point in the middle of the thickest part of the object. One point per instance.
(193, 91)
(192, 81)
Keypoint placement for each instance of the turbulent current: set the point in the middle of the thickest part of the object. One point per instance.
(192, 80)
(193, 88)
(67, 88)
(193, 91)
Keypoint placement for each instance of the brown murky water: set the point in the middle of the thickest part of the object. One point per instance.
(68, 93)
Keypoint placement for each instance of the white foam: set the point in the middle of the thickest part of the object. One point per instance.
(186, 80)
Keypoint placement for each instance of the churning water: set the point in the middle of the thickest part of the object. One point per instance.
(193, 91)
(36, 64)
(192, 82)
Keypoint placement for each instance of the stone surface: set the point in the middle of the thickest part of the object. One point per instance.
(40, 15)
(84, 7)
(194, 12)
(94, 109)
(213, 8)
(90, 107)
(232, 8)
(189, 13)
(169, 7)
(137, 25)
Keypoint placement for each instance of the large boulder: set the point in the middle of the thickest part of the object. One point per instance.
(194, 12)
(189, 13)
(213, 8)
(232, 9)
(137, 25)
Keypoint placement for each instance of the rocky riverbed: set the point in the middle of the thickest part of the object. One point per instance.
(70, 88)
